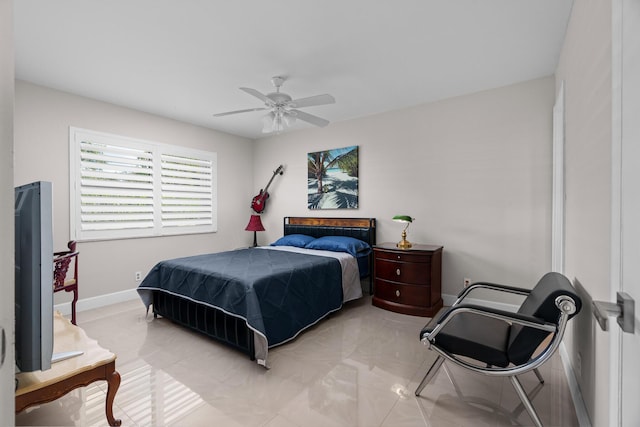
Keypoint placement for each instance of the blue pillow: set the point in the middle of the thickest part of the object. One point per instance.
(350, 245)
(297, 240)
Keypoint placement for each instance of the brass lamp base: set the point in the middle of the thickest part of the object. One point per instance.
(404, 243)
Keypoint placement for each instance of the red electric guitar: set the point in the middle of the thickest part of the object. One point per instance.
(258, 203)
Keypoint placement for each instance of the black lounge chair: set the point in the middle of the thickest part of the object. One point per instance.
(503, 343)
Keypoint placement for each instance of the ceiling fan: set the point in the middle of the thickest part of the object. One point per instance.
(283, 110)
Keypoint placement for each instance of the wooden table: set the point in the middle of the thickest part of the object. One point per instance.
(94, 364)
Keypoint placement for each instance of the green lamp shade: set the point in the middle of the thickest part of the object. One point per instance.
(403, 218)
(404, 243)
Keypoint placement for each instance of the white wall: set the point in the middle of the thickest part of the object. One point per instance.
(7, 370)
(585, 66)
(42, 120)
(475, 172)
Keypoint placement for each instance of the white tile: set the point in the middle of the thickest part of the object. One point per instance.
(358, 367)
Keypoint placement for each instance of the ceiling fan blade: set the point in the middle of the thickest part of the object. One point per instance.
(310, 118)
(312, 101)
(258, 95)
(240, 111)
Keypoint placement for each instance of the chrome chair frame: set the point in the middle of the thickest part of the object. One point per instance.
(566, 306)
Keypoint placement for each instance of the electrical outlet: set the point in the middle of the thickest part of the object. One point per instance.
(138, 276)
(467, 282)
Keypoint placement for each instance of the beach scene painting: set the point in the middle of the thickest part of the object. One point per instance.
(333, 179)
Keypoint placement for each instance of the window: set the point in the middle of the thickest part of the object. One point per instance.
(123, 187)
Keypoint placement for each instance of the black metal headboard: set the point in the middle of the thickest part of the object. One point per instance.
(360, 228)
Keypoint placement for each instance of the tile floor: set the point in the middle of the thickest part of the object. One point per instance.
(359, 367)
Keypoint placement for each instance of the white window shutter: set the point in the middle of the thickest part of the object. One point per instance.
(187, 191)
(121, 187)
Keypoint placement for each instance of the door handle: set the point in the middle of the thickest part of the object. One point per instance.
(3, 346)
(623, 309)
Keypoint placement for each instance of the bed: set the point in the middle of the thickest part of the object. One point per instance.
(254, 299)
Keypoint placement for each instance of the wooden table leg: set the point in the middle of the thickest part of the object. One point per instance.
(113, 382)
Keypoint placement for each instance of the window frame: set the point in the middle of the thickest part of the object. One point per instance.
(156, 151)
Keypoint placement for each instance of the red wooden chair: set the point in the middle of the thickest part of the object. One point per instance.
(62, 260)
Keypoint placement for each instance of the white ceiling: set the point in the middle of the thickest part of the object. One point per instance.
(186, 59)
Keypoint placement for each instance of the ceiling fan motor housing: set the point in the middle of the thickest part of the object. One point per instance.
(279, 98)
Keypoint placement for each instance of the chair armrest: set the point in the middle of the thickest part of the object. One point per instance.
(507, 316)
(491, 286)
(72, 249)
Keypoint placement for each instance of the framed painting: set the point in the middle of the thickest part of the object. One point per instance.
(332, 181)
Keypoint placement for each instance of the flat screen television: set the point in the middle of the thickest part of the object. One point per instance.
(34, 276)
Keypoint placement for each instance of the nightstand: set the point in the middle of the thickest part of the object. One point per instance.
(408, 280)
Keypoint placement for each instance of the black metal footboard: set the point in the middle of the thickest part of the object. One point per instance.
(218, 325)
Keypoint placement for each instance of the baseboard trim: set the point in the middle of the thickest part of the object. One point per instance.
(97, 302)
(574, 388)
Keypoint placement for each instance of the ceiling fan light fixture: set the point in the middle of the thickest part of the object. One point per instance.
(289, 119)
(278, 125)
(267, 123)
(275, 121)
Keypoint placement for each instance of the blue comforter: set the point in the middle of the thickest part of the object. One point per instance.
(277, 293)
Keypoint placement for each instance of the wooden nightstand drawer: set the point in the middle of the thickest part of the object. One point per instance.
(403, 294)
(405, 272)
(402, 256)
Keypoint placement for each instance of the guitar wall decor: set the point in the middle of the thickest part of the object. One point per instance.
(258, 203)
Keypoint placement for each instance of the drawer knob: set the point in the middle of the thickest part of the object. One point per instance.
(398, 256)
(397, 293)
(397, 271)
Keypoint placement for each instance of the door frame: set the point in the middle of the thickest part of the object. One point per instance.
(7, 89)
(618, 413)
(558, 190)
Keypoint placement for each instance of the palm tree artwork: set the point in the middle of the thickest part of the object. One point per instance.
(333, 179)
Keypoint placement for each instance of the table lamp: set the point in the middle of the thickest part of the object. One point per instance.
(404, 243)
(255, 224)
